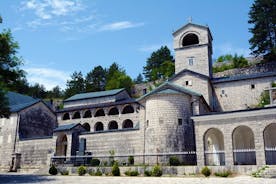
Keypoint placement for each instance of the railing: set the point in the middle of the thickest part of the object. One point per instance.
(185, 158)
(244, 156)
(270, 155)
(214, 157)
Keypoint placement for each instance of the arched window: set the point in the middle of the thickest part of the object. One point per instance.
(190, 39)
(128, 109)
(66, 116)
(113, 111)
(127, 124)
(86, 126)
(87, 114)
(112, 125)
(270, 144)
(76, 115)
(214, 147)
(98, 126)
(99, 112)
(243, 146)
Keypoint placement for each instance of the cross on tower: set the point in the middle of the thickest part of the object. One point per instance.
(190, 19)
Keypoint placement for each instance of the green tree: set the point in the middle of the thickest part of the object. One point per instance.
(9, 68)
(117, 78)
(139, 79)
(37, 91)
(56, 92)
(262, 15)
(239, 61)
(154, 69)
(75, 85)
(96, 79)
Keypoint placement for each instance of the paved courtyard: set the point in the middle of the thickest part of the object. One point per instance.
(15, 178)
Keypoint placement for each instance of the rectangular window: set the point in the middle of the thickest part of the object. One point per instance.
(191, 61)
(161, 121)
(147, 123)
(252, 86)
(187, 83)
(190, 83)
(222, 91)
(179, 122)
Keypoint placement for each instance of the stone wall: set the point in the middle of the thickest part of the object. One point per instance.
(35, 153)
(239, 94)
(255, 69)
(36, 121)
(7, 140)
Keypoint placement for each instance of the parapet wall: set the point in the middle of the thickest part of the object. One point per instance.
(258, 68)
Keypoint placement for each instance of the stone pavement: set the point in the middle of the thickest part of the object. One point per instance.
(23, 178)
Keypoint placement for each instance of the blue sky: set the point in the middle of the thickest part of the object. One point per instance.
(58, 37)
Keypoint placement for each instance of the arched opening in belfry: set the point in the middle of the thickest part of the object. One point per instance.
(113, 125)
(190, 39)
(76, 115)
(87, 114)
(98, 127)
(270, 144)
(243, 146)
(86, 126)
(214, 147)
(113, 111)
(66, 116)
(99, 112)
(127, 124)
(61, 145)
(128, 109)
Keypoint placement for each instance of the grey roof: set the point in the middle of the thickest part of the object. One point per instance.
(242, 77)
(190, 72)
(173, 88)
(18, 101)
(100, 105)
(66, 127)
(82, 96)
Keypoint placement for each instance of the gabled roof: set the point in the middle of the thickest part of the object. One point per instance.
(97, 94)
(194, 25)
(17, 101)
(190, 72)
(66, 127)
(170, 88)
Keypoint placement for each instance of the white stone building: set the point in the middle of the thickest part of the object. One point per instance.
(200, 117)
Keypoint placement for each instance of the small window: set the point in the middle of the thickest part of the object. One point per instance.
(222, 91)
(147, 123)
(145, 91)
(189, 83)
(161, 121)
(252, 86)
(179, 122)
(191, 61)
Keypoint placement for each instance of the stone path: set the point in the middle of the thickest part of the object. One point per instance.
(16, 178)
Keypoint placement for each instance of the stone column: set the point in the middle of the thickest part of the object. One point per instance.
(228, 146)
(259, 146)
(199, 145)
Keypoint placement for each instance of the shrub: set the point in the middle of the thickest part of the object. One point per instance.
(53, 170)
(223, 174)
(174, 161)
(206, 171)
(156, 171)
(132, 173)
(81, 170)
(130, 160)
(64, 172)
(115, 169)
(147, 173)
(95, 162)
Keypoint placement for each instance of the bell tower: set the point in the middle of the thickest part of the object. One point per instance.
(193, 49)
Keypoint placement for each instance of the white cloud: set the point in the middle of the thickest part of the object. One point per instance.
(48, 9)
(115, 26)
(47, 76)
(228, 48)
